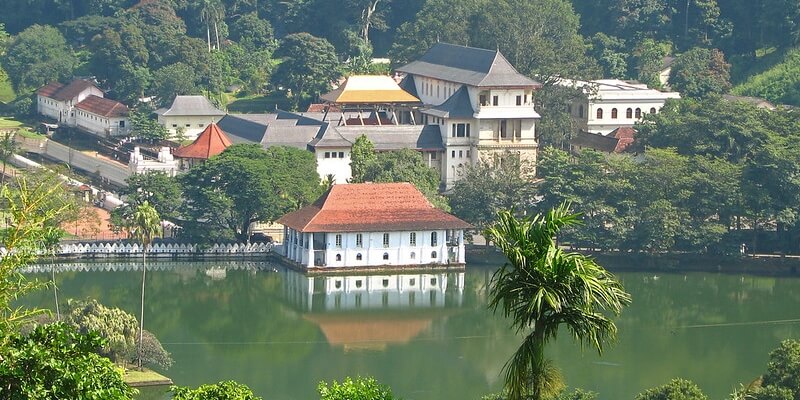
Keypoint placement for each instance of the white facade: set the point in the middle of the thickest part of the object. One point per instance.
(192, 125)
(614, 104)
(101, 125)
(80, 109)
(334, 161)
(63, 110)
(365, 249)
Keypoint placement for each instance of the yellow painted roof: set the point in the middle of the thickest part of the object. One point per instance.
(369, 89)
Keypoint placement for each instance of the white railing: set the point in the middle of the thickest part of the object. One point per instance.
(111, 249)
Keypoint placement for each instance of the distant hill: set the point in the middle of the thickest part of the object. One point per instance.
(778, 84)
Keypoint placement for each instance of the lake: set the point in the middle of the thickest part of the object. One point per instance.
(430, 336)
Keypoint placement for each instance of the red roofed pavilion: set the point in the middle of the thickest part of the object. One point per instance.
(373, 224)
(209, 143)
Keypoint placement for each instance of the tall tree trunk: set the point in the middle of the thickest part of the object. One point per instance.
(55, 287)
(537, 366)
(216, 33)
(208, 36)
(141, 314)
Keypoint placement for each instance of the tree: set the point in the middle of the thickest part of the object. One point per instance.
(502, 182)
(677, 389)
(8, 146)
(56, 362)
(246, 184)
(700, 72)
(649, 55)
(144, 126)
(157, 188)
(116, 327)
(173, 80)
(309, 65)
(38, 55)
(783, 370)
(226, 390)
(354, 389)
(407, 165)
(253, 33)
(541, 287)
(362, 155)
(145, 225)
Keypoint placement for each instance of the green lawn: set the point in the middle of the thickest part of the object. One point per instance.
(7, 94)
(6, 122)
(146, 377)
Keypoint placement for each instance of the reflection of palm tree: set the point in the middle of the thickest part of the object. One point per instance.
(541, 288)
(145, 225)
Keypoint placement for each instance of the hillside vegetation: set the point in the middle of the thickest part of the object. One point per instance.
(778, 84)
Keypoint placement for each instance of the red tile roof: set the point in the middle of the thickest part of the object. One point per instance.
(209, 143)
(57, 91)
(102, 106)
(49, 89)
(625, 137)
(371, 207)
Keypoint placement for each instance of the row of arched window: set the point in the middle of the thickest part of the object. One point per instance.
(629, 113)
(359, 257)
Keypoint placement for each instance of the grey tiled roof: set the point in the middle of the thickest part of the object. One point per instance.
(241, 129)
(192, 105)
(467, 65)
(281, 129)
(409, 85)
(457, 106)
(384, 138)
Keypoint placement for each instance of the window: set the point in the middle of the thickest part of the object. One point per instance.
(412, 282)
(519, 100)
(359, 284)
(629, 113)
(188, 125)
(385, 240)
(461, 154)
(613, 113)
(525, 99)
(453, 154)
(413, 255)
(460, 130)
(467, 153)
(174, 125)
(385, 283)
(433, 254)
(359, 240)
(358, 257)
(599, 113)
(327, 154)
(333, 154)
(433, 281)
(580, 111)
(412, 239)
(338, 241)
(337, 284)
(437, 90)
(653, 110)
(434, 239)
(638, 113)
(482, 100)
(503, 129)
(338, 257)
(341, 154)
(122, 123)
(201, 125)
(495, 100)
(433, 156)
(385, 256)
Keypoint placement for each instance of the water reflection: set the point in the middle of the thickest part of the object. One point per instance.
(372, 311)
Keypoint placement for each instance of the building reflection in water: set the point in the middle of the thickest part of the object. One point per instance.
(372, 311)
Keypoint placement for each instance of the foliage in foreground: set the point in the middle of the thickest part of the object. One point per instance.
(677, 389)
(225, 390)
(55, 361)
(542, 288)
(355, 389)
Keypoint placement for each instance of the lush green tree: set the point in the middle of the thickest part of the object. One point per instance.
(541, 288)
(144, 226)
(253, 33)
(407, 165)
(503, 182)
(247, 184)
(611, 53)
(157, 188)
(143, 125)
(362, 155)
(354, 389)
(57, 362)
(308, 65)
(173, 80)
(225, 390)
(36, 56)
(677, 389)
(783, 370)
(116, 327)
(770, 393)
(648, 60)
(700, 72)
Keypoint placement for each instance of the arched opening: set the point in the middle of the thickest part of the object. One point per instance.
(652, 110)
(338, 257)
(638, 113)
(358, 257)
(613, 113)
(629, 113)
(433, 254)
(599, 113)
(385, 256)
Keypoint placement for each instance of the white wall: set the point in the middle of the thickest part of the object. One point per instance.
(333, 164)
(193, 125)
(100, 125)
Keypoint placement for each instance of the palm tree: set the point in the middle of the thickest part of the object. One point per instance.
(541, 288)
(144, 226)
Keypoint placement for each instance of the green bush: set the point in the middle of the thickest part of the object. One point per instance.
(226, 390)
(677, 389)
(779, 84)
(355, 389)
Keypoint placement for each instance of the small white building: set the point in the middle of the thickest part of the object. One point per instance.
(613, 103)
(190, 113)
(389, 225)
(80, 104)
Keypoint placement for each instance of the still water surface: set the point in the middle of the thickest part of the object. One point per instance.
(430, 336)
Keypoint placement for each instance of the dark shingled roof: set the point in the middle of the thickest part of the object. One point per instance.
(468, 65)
(595, 141)
(371, 207)
(192, 105)
(281, 129)
(457, 106)
(59, 92)
(384, 138)
(241, 129)
(102, 106)
(409, 85)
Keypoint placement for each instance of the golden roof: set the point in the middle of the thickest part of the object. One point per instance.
(369, 89)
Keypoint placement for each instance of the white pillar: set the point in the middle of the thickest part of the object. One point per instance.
(462, 257)
(310, 244)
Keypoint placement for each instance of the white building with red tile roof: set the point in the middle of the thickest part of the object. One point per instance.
(80, 104)
(369, 225)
